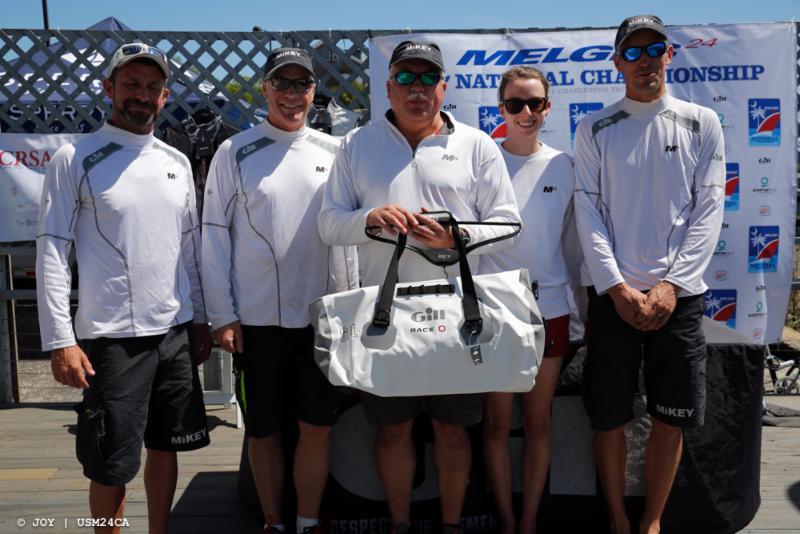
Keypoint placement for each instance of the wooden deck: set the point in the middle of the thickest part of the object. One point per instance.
(40, 478)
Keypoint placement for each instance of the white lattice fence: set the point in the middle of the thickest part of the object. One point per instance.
(50, 81)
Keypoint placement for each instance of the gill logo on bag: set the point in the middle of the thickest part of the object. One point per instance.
(428, 315)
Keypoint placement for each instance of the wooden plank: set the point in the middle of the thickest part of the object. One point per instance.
(27, 474)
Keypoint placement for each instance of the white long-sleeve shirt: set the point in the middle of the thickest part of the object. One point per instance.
(263, 260)
(548, 245)
(649, 193)
(460, 170)
(128, 203)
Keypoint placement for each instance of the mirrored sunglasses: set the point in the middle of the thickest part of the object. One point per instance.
(428, 79)
(516, 105)
(301, 85)
(654, 50)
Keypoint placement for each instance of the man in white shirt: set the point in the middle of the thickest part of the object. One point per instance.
(649, 202)
(263, 264)
(387, 175)
(127, 201)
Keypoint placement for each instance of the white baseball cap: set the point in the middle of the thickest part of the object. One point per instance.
(128, 52)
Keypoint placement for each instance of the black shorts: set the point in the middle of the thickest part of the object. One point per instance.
(674, 366)
(145, 389)
(277, 368)
(460, 410)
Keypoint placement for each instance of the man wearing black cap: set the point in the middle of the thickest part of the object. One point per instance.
(388, 174)
(127, 201)
(263, 263)
(657, 161)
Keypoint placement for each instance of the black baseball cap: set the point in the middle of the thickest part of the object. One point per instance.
(288, 56)
(429, 52)
(639, 22)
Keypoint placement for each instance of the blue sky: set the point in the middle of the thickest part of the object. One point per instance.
(242, 15)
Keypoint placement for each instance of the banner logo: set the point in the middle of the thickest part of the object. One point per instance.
(491, 122)
(762, 255)
(720, 305)
(764, 121)
(577, 111)
(731, 186)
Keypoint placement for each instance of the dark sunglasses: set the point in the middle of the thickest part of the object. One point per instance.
(301, 85)
(633, 53)
(132, 50)
(516, 105)
(426, 78)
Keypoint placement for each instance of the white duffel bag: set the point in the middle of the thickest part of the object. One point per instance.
(462, 335)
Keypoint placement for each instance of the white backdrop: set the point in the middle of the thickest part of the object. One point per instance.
(23, 158)
(745, 72)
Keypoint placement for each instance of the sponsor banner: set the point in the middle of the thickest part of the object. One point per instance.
(23, 158)
(738, 70)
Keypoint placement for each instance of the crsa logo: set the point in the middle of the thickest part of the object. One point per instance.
(491, 122)
(31, 158)
(764, 210)
(731, 186)
(764, 121)
(720, 305)
(721, 275)
(762, 253)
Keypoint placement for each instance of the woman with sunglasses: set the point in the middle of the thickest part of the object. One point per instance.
(543, 182)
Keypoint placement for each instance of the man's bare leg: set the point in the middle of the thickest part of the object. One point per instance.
(611, 455)
(106, 501)
(662, 456)
(453, 456)
(266, 462)
(160, 480)
(312, 460)
(394, 454)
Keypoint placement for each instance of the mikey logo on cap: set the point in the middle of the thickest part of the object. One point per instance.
(639, 22)
(287, 56)
(414, 50)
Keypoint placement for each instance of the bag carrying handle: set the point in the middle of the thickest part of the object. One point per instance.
(472, 316)
(445, 257)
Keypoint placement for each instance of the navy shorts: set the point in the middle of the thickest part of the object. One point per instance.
(278, 367)
(460, 410)
(145, 389)
(674, 366)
